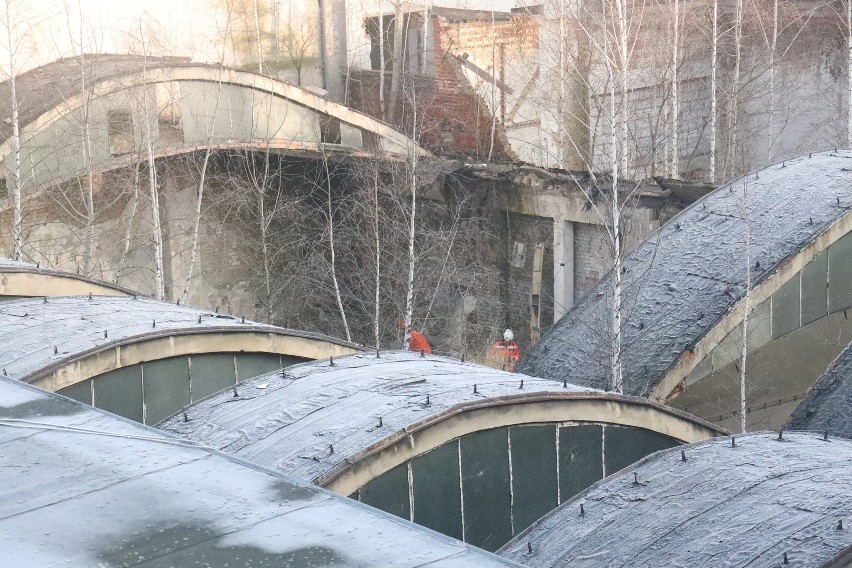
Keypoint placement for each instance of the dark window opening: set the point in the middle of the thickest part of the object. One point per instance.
(329, 130)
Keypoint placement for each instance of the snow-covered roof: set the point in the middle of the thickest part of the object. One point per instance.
(81, 487)
(31, 329)
(747, 505)
(289, 420)
(828, 405)
(685, 277)
(9, 263)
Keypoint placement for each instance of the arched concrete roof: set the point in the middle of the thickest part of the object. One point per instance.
(24, 279)
(684, 287)
(341, 426)
(747, 505)
(81, 487)
(828, 406)
(57, 342)
(48, 92)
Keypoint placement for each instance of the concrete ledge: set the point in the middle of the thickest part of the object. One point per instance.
(37, 282)
(171, 343)
(419, 438)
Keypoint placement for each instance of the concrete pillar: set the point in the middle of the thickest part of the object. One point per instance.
(563, 267)
(333, 46)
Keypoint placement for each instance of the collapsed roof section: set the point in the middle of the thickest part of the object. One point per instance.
(96, 490)
(683, 288)
(759, 502)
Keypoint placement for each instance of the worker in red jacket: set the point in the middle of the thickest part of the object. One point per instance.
(418, 341)
(504, 354)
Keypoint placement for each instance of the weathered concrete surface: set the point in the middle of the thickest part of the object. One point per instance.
(778, 378)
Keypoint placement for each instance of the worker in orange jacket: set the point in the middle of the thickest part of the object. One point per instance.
(504, 354)
(418, 341)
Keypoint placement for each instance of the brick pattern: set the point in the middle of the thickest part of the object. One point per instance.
(452, 117)
(591, 257)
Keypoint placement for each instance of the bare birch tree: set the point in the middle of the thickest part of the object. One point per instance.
(849, 73)
(331, 248)
(409, 295)
(211, 128)
(746, 306)
(714, 63)
(11, 27)
(85, 130)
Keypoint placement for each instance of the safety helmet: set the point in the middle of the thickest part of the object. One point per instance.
(508, 335)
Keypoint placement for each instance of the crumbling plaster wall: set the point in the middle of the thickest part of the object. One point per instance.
(55, 239)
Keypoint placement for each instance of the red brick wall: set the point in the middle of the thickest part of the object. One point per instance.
(452, 118)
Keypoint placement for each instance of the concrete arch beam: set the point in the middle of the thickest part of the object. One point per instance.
(789, 270)
(25, 280)
(55, 343)
(468, 418)
(174, 343)
(394, 141)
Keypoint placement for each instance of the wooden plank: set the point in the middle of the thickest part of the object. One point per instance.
(535, 295)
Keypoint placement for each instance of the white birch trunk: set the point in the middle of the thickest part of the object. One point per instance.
(17, 208)
(159, 284)
(87, 159)
(378, 253)
(330, 213)
(493, 89)
(772, 49)
(849, 72)
(128, 232)
(746, 310)
(733, 101)
(409, 296)
(713, 56)
(616, 121)
(675, 163)
(154, 194)
(198, 202)
(382, 107)
(423, 57)
(264, 239)
(257, 37)
(561, 126)
(623, 57)
(615, 370)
